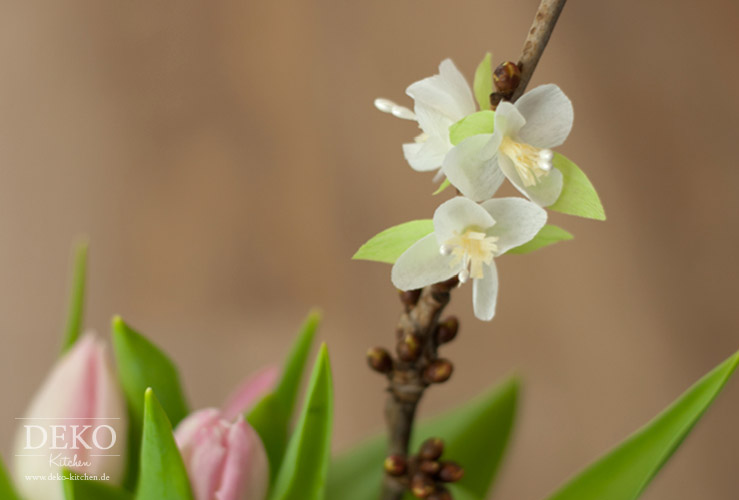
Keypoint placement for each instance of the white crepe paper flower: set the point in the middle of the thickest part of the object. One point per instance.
(466, 239)
(439, 102)
(519, 149)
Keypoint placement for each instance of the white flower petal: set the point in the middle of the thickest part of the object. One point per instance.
(454, 216)
(543, 193)
(485, 293)
(472, 166)
(422, 265)
(433, 123)
(448, 92)
(426, 155)
(508, 119)
(517, 221)
(549, 116)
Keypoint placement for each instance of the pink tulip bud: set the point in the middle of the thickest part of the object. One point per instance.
(225, 459)
(77, 420)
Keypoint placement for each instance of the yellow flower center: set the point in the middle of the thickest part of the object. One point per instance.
(472, 249)
(531, 163)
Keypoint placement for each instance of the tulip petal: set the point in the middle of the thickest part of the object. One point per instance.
(79, 395)
(422, 265)
(517, 221)
(549, 116)
(250, 392)
(485, 293)
(245, 475)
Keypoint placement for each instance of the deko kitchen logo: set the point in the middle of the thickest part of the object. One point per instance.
(73, 442)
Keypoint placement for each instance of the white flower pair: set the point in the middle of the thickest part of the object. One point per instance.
(468, 236)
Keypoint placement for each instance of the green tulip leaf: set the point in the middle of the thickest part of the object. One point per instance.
(483, 83)
(625, 472)
(81, 489)
(302, 475)
(141, 365)
(7, 492)
(482, 122)
(162, 473)
(271, 417)
(390, 244)
(578, 195)
(75, 313)
(476, 435)
(548, 235)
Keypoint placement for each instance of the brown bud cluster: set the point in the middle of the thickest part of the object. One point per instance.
(438, 371)
(422, 485)
(409, 298)
(447, 330)
(507, 77)
(380, 360)
(396, 465)
(428, 473)
(409, 348)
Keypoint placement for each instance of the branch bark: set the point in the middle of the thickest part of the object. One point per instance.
(420, 321)
(536, 41)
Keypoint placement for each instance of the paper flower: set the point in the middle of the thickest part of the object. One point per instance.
(439, 102)
(466, 239)
(518, 148)
(224, 456)
(76, 420)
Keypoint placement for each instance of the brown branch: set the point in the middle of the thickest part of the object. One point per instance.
(536, 41)
(418, 329)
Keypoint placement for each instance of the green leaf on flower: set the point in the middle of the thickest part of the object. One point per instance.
(482, 122)
(442, 187)
(81, 489)
(304, 470)
(7, 492)
(483, 84)
(141, 365)
(578, 194)
(77, 298)
(390, 244)
(475, 435)
(271, 417)
(162, 473)
(625, 472)
(548, 235)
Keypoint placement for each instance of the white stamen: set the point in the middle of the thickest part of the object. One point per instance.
(388, 106)
(464, 275)
(384, 105)
(403, 113)
(531, 163)
(445, 250)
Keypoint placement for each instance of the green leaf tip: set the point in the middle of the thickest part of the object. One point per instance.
(162, 473)
(626, 471)
(548, 235)
(481, 122)
(578, 195)
(442, 187)
(272, 415)
(305, 467)
(390, 244)
(76, 308)
(483, 82)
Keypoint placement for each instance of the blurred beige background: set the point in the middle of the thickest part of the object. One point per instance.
(226, 161)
